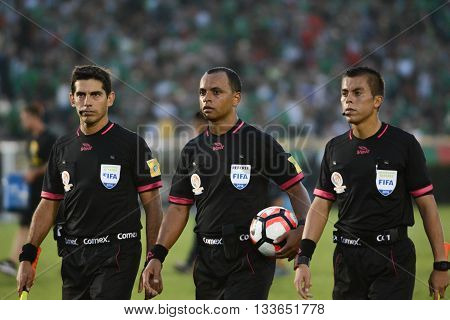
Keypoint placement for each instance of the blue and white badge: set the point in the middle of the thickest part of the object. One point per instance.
(386, 181)
(240, 175)
(110, 175)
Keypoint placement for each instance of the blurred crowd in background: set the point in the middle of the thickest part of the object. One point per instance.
(289, 54)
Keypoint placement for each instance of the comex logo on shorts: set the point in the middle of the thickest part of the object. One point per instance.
(344, 240)
(125, 236)
(219, 241)
(71, 242)
(244, 237)
(212, 242)
(96, 240)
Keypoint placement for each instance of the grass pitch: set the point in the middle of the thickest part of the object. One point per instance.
(180, 286)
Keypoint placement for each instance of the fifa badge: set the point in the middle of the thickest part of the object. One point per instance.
(110, 175)
(65, 176)
(386, 181)
(240, 175)
(337, 180)
(196, 184)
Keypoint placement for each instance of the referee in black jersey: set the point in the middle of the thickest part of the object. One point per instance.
(371, 172)
(226, 172)
(99, 170)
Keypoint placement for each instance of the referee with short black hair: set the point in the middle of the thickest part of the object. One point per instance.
(98, 171)
(226, 172)
(371, 172)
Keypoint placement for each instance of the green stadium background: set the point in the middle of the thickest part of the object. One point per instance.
(289, 54)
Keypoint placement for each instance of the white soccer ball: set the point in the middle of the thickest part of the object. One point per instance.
(269, 224)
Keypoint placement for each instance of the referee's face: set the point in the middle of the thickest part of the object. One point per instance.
(91, 102)
(217, 100)
(358, 103)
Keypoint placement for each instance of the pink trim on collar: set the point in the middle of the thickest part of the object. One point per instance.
(384, 130)
(107, 129)
(238, 128)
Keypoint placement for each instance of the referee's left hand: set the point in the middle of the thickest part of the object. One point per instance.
(290, 249)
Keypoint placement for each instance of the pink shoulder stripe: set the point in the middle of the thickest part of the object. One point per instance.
(324, 194)
(150, 186)
(291, 182)
(178, 200)
(51, 196)
(422, 191)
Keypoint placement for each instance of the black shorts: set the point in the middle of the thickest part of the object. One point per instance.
(248, 277)
(381, 272)
(100, 272)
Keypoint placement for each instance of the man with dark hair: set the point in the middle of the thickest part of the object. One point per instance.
(91, 72)
(371, 172)
(39, 145)
(99, 171)
(226, 172)
(374, 79)
(234, 81)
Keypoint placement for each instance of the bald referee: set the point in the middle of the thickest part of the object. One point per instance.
(225, 172)
(371, 172)
(99, 170)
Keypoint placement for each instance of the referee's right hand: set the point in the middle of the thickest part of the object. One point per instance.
(302, 281)
(25, 276)
(151, 280)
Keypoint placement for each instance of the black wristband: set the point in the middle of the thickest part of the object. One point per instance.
(29, 253)
(307, 248)
(301, 260)
(441, 265)
(157, 252)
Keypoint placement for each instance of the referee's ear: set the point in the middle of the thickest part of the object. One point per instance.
(378, 100)
(111, 98)
(236, 98)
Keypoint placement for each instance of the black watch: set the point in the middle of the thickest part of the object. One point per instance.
(301, 260)
(441, 265)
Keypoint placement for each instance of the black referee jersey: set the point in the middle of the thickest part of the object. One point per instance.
(228, 176)
(372, 180)
(99, 177)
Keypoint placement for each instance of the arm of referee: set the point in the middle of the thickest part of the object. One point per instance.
(172, 226)
(151, 201)
(438, 280)
(300, 203)
(315, 224)
(43, 220)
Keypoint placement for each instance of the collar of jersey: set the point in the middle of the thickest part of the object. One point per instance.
(377, 135)
(100, 132)
(235, 129)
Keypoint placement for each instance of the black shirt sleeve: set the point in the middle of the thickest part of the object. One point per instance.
(279, 165)
(53, 188)
(324, 188)
(181, 189)
(418, 181)
(147, 171)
